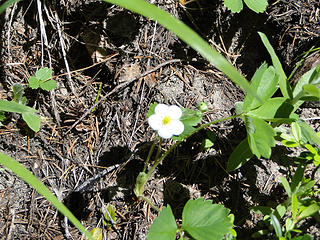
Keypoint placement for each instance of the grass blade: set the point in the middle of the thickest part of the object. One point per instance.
(28, 177)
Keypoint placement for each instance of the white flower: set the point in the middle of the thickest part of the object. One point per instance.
(166, 121)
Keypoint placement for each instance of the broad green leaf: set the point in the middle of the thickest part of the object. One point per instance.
(258, 6)
(274, 108)
(264, 84)
(294, 206)
(312, 90)
(33, 82)
(284, 84)
(7, 4)
(190, 117)
(240, 155)
(8, 106)
(32, 120)
(310, 210)
(204, 220)
(262, 210)
(262, 139)
(48, 85)
(28, 177)
(305, 79)
(308, 133)
(280, 210)
(189, 36)
(164, 226)
(234, 6)
(276, 225)
(286, 185)
(289, 225)
(44, 74)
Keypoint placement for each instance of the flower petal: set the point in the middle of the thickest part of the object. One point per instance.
(161, 109)
(164, 133)
(155, 121)
(177, 127)
(174, 112)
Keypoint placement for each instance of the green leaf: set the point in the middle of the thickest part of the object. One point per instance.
(234, 6)
(189, 36)
(264, 84)
(308, 133)
(286, 185)
(312, 90)
(7, 4)
(284, 84)
(276, 225)
(296, 131)
(33, 82)
(280, 210)
(310, 210)
(239, 107)
(262, 139)
(29, 178)
(204, 220)
(297, 178)
(48, 85)
(305, 188)
(289, 144)
(151, 109)
(273, 109)
(190, 117)
(164, 226)
(8, 106)
(44, 74)
(240, 155)
(258, 6)
(32, 120)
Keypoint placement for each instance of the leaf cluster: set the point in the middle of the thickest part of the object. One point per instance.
(236, 6)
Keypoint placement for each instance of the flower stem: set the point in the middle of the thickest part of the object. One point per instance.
(149, 155)
(178, 142)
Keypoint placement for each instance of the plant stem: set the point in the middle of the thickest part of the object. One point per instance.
(149, 155)
(178, 142)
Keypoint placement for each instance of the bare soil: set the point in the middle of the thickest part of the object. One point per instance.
(89, 157)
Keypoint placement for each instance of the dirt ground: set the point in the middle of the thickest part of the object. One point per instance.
(89, 157)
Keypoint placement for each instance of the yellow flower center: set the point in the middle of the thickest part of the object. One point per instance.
(166, 120)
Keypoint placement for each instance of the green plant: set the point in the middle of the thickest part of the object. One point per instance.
(43, 80)
(299, 205)
(201, 220)
(237, 5)
(261, 111)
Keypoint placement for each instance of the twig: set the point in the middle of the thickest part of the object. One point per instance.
(120, 87)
